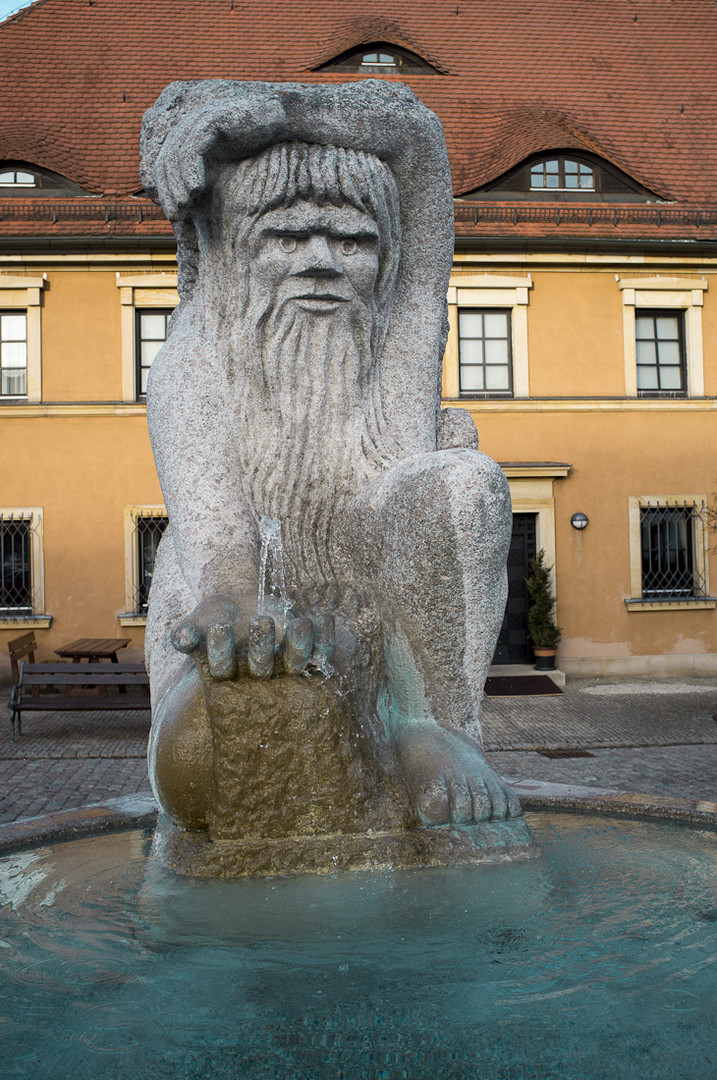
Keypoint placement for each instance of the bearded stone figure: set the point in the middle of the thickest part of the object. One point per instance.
(327, 598)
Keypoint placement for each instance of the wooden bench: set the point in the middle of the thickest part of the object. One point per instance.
(21, 648)
(78, 688)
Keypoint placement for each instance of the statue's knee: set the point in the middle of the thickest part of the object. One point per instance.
(442, 488)
(474, 473)
(180, 752)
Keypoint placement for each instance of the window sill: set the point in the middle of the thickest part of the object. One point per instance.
(696, 603)
(132, 620)
(469, 395)
(30, 622)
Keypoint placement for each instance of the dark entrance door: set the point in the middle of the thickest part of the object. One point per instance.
(513, 647)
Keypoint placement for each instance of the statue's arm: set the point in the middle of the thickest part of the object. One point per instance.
(213, 530)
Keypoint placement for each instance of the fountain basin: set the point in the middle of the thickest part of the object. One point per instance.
(597, 959)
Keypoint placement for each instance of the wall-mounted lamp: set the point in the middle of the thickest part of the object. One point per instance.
(579, 521)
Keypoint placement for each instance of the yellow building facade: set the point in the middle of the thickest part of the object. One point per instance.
(572, 437)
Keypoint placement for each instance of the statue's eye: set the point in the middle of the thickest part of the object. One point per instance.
(287, 243)
(348, 246)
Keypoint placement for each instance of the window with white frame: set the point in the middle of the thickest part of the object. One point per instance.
(150, 335)
(669, 552)
(662, 330)
(22, 584)
(13, 353)
(485, 352)
(144, 528)
(561, 174)
(660, 353)
(17, 178)
(148, 301)
(487, 349)
(20, 361)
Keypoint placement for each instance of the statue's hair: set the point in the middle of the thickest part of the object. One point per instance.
(286, 173)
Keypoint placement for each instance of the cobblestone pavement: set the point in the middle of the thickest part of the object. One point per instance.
(647, 737)
(656, 738)
(65, 760)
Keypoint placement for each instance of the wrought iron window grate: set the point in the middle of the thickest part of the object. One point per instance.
(149, 529)
(16, 585)
(674, 550)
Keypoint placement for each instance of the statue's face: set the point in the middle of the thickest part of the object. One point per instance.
(322, 259)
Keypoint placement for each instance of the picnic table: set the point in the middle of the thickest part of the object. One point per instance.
(93, 649)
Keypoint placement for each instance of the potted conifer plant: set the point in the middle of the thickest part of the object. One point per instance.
(544, 631)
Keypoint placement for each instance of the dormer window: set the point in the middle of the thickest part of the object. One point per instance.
(561, 174)
(565, 175)
(21, 178)
(379, 58)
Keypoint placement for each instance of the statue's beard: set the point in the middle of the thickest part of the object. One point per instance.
(310, 422)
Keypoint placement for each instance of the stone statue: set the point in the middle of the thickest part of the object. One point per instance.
(327, 598)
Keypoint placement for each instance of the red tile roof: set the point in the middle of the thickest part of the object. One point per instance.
(630, 80)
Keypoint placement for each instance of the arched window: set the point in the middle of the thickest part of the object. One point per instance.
(379, 58)
(561, 174)
(17, 178)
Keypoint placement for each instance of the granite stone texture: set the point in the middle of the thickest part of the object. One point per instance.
(310, 478)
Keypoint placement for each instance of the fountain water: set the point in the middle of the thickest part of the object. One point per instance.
(272, 599)
(596, 961)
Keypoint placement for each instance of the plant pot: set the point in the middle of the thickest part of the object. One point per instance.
(544, 658)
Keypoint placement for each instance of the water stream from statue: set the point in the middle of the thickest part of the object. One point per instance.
(272, 599)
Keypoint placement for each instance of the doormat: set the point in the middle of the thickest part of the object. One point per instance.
(520, 686)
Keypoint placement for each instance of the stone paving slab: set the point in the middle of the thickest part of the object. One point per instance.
(596, 714)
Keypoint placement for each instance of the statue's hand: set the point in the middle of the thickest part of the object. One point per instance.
(248, 117)
(217, 625)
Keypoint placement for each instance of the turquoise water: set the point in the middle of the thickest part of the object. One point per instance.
(596, 960)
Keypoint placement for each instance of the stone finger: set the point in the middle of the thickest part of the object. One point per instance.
(186, 637)
(262, 641)
(221, 652)
(298, 644)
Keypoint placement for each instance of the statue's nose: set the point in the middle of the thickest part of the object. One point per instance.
(319, 257)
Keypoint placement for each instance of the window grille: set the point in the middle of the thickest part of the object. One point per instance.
(485, 353)
(16, 586)
(674, 551)
(13, 353)
(148, 531)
